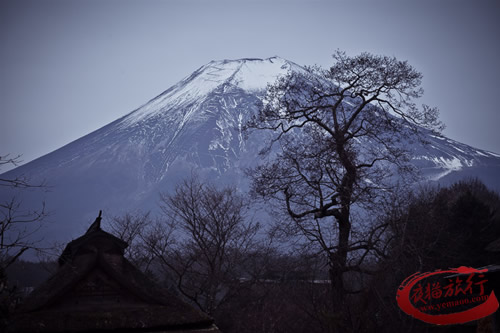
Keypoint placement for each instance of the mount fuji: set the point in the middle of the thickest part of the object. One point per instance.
(196, 125)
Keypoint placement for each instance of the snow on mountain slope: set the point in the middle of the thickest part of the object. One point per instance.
(194, 125)
(251, 75)
(443, 156)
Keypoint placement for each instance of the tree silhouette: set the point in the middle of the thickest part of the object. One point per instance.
(340, 138)
(18, 229)
(204, 241)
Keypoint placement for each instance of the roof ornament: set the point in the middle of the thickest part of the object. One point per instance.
(96, 225)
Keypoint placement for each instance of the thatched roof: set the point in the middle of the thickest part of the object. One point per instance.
(97, 289)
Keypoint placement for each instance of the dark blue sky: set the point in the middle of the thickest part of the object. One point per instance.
(70, 67)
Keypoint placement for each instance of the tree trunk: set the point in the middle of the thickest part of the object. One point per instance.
(338, 264)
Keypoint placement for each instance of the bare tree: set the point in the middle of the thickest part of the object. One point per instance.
(132, 228)
(204, 242)
(18, 181)
(339, 145)
(17, 225)
(18, 229)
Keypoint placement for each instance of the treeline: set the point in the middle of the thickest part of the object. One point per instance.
(208, 249)
(434, 228)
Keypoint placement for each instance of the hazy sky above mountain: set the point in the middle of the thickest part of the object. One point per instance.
(70, 67)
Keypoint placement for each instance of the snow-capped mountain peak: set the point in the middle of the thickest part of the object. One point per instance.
(250, 74)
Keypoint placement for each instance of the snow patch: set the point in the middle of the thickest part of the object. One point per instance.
(256, 75)
(448, 165)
